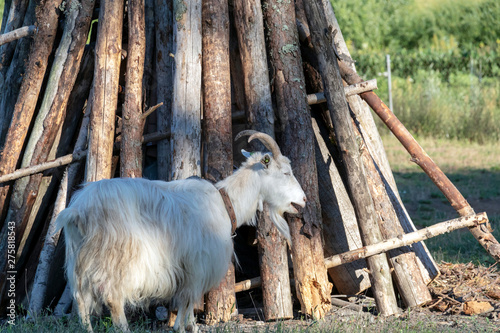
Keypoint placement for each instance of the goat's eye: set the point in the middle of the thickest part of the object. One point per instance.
(288, 173)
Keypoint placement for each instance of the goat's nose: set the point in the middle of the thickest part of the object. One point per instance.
(305, 199)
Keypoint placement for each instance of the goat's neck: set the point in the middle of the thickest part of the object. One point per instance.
(243, 188)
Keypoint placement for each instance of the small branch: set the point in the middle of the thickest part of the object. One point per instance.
(393, 243)
(406, 239)
(17, 34)
(151, 110)
(70, 158)
(353, 89)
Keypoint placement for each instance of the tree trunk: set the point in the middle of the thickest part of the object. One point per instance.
(272, 247)
(186, 104)
(164, 82)
(340, 226)
(28, 96)
(133, 123)
(311, 280)
(218, 147)
(407, 276)
(14, 76)
(25, 108)
(358, 186)
(375, 146)
(104, 103)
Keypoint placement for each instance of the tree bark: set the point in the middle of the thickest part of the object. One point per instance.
(104, 103)
(133, 123)
(186, 104)
(375, 146)
(407, 276)
(363, 204)
(297, 142)
(407, 239)
(28, 96)
(259, 111)
(340, 226)
(164, 82)
(218, 147)
(17, 34)
(14, 76)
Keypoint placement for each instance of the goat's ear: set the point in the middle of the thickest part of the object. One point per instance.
(246, 153)
(266, 160)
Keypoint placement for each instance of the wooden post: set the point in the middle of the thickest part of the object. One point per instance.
(272, 247)
(375, 146)
(358, 186)
(340, 226)
(186, 104)
(164, 81)
(407, 276)
(104, 103)
(218, 146)
(133, 123)
(297, 142)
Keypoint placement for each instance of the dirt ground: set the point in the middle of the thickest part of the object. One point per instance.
(466, 298)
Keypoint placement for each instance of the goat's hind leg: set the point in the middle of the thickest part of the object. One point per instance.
(84, 308)
(117, 309)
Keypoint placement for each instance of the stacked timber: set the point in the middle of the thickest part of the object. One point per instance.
(158, 89)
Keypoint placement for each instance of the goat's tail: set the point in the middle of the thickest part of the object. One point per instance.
(69, 219)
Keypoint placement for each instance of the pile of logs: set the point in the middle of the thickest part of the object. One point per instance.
(157, 88)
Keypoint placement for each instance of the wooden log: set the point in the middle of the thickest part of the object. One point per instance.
(164, 81)
(483, 232)
(70, 158)
(14, 76)
(68, 181)
(28, 95)
(407, 239)
(133, 123)
(297, 142)
(386, 245)
(407, 276)
(271, 245)
(186, 103)
(17, 34)
(14, 21)
(52, 110)
(363, 204)
(104, 103)
(375, 146)
(340, 226)
(217, 139)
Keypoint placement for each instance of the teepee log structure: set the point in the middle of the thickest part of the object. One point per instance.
(159, 89)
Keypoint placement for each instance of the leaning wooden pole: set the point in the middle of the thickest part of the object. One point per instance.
(482, 232)
(132, 121)
(104, 103)
(373, 141)
(24, 109)
(273, 257)
(358, 186)
(186, 103)
(297, 142)
(218, 146)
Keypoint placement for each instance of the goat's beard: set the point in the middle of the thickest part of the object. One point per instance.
(281, 224)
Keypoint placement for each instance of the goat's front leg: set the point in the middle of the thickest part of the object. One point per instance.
(83, 304)
(191, 320)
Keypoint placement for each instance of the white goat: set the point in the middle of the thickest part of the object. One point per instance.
(133, 241)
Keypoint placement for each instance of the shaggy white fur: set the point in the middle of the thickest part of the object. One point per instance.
(133, 241)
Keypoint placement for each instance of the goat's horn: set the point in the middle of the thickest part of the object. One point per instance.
(266, 139)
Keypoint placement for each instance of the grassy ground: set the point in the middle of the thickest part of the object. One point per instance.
(475, 171)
